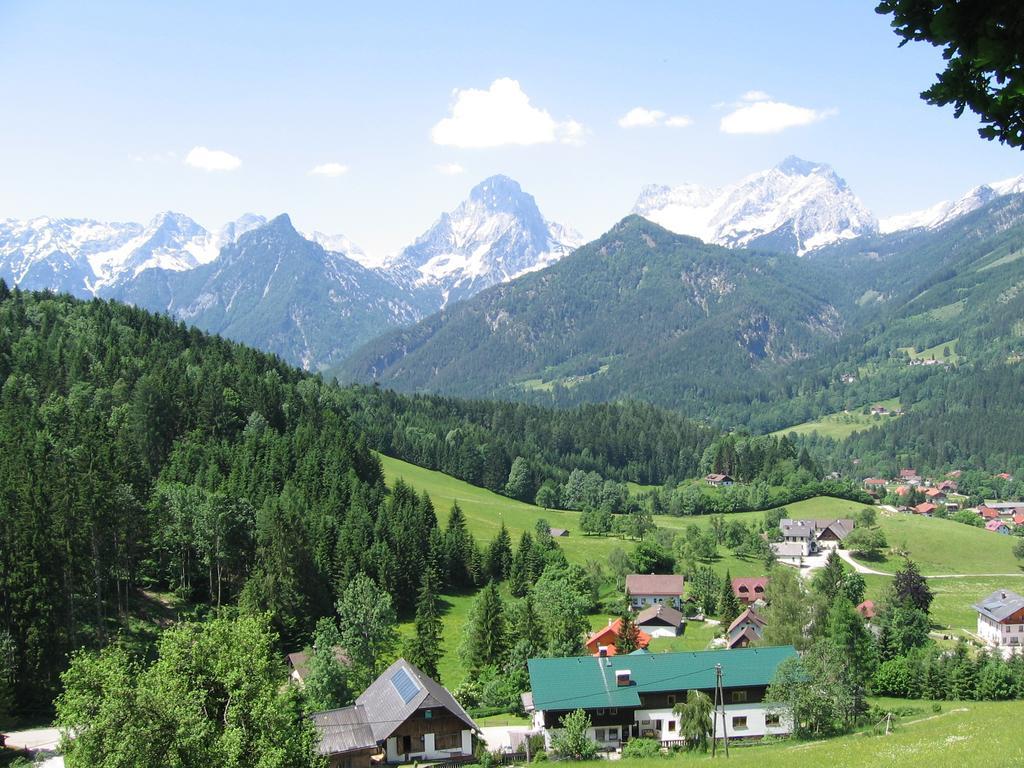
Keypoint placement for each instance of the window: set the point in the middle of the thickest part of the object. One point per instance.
(599, 734)
(771, 720)
(613, 711)
(739, 723)
(600, 712)
(671, 699)
(671, 725)
(657, 725)
(739, 697)
(448, 741)
(613, 734)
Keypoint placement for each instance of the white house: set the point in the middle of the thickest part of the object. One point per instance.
(643, 590)
(660, 621)
(634, 695)
(1001, 620)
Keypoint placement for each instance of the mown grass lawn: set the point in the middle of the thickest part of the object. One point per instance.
(944, 546)
(962, 735)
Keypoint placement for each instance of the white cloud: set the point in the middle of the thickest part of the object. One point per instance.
(450, 169)
(499, 116)
(758, 113)
(212, 159)
(679, 121)
(331, 170)
(640, 117)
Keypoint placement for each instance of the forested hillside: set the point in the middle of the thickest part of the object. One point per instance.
(137, 454)
(640, 313)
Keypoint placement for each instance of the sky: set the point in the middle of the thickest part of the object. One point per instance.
(370, 119)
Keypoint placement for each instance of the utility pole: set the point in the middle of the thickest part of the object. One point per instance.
(719, 696)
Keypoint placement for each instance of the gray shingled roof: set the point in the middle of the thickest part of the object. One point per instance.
(1000, 604)
(665, 613)
(344, 730)
(801, 529)
(386, 708)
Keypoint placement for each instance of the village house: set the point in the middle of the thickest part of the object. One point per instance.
(788, 552)
(750, 589)
(559, 532)
(910, 477)
(997, 526)
(1004, 509)
(660, 621)
(633, 696)
(815, 535)
(298, 664)
(874, 484)
(987, 513)
(747, 628)
(1005, 476)
(602, 642)
(925, 508)
(717, 480)
(653, 589)
(1001, 620)
(403, 715)
(800, 533)
(935, 495)
(948, 486)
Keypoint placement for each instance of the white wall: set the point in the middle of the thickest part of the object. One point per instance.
(994, 633)
(639, 601)
(756, 715)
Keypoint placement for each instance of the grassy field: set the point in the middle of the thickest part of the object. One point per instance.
(842, 424)
(945, 547)
(963, 735)
(935, 353)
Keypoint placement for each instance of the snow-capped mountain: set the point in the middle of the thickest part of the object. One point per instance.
(947, 210)
(277, 290)
(87, 257)
(796, 206)
(343, 244)
(495, 235)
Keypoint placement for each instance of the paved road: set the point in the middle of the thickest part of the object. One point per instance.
(45, 739)
(864, 569)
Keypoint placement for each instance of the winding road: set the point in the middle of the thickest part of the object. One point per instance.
(859, 568)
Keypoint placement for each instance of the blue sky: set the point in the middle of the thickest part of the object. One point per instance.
(105, 104)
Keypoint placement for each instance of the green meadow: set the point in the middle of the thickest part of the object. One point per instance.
(842, 424)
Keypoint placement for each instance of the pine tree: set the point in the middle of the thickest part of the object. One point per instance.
(424, 648)
(499, 555)
(728, 604)
(521, 572)
(628, 639)
(908, 585)
(484, 641)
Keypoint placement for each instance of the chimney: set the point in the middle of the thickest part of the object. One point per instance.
(622, 677)
(602, 650)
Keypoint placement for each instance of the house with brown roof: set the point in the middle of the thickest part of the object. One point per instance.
(874, 484)
(718, 480)
(987, 513)
(403, 714)
(602, 642)
(935, 495)
(298, 663)
(925, 508)
(910, 476)
(750, 589)
(653, 589)
(660, 621)
(948, 486)
(747, 628)
(1004, 476)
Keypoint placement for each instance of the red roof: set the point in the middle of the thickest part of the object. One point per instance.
(867, 609)
(1018, 519)
(908, 473)
(874, 481)
(994, 525)
(925, 508)
(1005, 476)
(988, 513)
(933, 493)
(749, 589)
(902, 490)
(607, 637)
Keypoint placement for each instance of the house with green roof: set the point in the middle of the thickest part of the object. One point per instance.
(634, 695)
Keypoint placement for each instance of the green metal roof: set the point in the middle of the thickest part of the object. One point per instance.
(587, 682)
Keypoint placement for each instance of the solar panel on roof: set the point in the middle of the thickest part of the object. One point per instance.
(405, 685)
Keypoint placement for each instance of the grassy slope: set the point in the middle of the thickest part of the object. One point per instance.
(841, 425)
(936, 352)
(964, 735)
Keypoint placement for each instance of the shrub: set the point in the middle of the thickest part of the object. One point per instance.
(642, 748)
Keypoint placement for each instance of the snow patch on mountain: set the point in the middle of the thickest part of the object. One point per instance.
(495, 235)
(798, 205)
(948, 210)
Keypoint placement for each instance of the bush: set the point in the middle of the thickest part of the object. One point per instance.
(642, 748)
